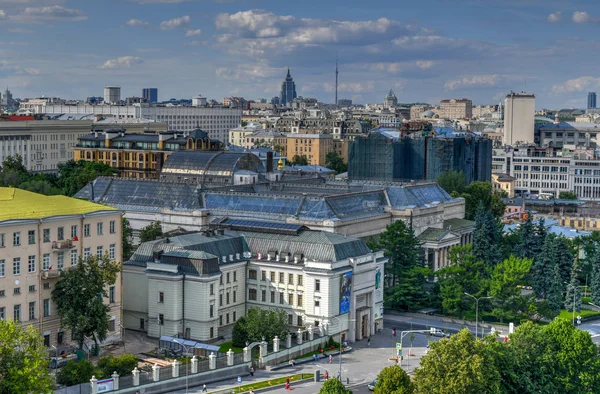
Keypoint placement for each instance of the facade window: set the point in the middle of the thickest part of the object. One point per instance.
(212, 289)
(290, 320)
(300, 322)
(32, 288)
(86, 230)
(112, 325)
(17, 313)
(31, 236)
(46, 261)
(227, 298)
(291, 279)
(47, 307)
(87, 253)
(99, 251)
(17, 266)
(73, 231)
(263, 276)
(111, 251)
(46, 285)
(281, 277)
(99, 226)
(235, 276)
(32, 311)
(272, 297)
(2, 313)
(112, 227)
(59, 337)
(221, 280)
(252, 274)
(111, 294)
(220, 299)
(2, 240)
(60, 234)
(17, 238)
(299, 297)
(263, 297)
(317, 285)
(31, 264)
(161, 319)
(73, 258)
(281, 298)
(220, 320)
(161, 297)
(212, 332)
(227, 318)
(228, 281)
(60, 260)
(234, 316)
(234, 296)
(252, 294)
(299, 280)
(2, 268)
(211, 312)
(291, 299)
(17, 291)
(272, 276)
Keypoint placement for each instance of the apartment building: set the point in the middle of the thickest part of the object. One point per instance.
(41, 237)
(456, 109)
(314, 146)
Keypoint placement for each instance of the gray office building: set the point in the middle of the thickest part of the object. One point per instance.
(591, 100)
(288, 90)
(150, 94)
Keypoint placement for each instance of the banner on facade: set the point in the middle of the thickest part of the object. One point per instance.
(345, 291)
(105, 385)
(378, 293)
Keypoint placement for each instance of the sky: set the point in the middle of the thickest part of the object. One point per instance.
(424, 51)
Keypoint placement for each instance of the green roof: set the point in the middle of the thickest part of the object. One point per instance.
(455, 224)
(433, 234)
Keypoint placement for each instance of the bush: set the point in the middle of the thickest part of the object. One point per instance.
(122, 365)
(394, 380)
(75, 372)
(334, 386)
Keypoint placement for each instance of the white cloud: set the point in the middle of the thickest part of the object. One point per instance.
(121, 62)
(580, 84)
(425, 64)
(354, 87)
(554, 17)
(12, 69)
(246, 72)
(161, 1)
(193, 33)
(137, 23)
(175, 23)
(2, 14)
(474, 81)
(20, 30)
(54, 12)
(581, 17)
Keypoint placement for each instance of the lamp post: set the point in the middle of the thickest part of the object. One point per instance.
(187, 365)
(340, 323)
(477, 310)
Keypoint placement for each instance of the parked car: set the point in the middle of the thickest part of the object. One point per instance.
(440, 334)
(371, 386)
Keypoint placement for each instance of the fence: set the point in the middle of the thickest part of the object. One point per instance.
(285, 354)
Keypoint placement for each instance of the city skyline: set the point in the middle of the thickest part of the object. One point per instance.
(480, 50)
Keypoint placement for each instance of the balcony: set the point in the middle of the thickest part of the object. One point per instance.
(59, 246)
(51, 274)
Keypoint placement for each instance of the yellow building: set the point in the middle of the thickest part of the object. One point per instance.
(504, 183)
(139, 155)
(42, 236)
(314, 146)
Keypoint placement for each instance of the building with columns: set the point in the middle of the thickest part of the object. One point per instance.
(197, 285)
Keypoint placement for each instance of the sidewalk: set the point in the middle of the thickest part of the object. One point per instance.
(433, 319)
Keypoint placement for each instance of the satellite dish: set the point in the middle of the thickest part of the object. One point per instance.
(17, 282)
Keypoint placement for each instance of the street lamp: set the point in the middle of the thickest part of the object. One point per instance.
(477, 310)
(340, 324)
(187, 365)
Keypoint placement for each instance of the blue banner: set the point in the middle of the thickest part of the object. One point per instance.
(345, 291)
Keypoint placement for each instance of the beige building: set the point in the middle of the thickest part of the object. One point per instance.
(266, 138)
(456, 109)
(40, 237)
(238, 135)
(504, 183)
(417, 110)
(519, 118)
(314, 146)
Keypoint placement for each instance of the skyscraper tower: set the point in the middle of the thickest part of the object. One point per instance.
(288, 90)
(591, 100)
(336, 81)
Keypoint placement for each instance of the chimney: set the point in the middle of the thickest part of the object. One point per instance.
(277, 257)
(260, 256)
(295, 259)
(269, 161)
(269, 256)
(224, 259)
(287, 259)
(237, 256)
(230, 257)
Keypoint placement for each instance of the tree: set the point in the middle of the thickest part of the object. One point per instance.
(73, 176)
(504, 280)
(393, 380)
(542, 267)
(481, 193)
(76, 295)
(260, 323)
(573, 296)
(567, 196)
(561, 251)
(461, 364)
(334, 162)
(595, 280)
(529, 243)
(554, 292)
(486, 237)
(23, 360)
(452, 181)
(151, 232)
(76, 372)
(127, 239)
(299, 160)
(334, 386)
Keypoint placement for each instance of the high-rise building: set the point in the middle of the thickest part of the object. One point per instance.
(112, 95)
(7, 100)
(150, 94)
(519, 114)
(390, 100)
(591, 100)
(288, 90)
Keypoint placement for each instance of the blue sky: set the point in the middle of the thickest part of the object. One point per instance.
(424, 50)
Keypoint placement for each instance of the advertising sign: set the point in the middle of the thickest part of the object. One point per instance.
(105, 385)
(378, 293)
(345, 291)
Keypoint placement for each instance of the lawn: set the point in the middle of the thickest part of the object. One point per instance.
(584, 313)
(270, 383)
(224, 348)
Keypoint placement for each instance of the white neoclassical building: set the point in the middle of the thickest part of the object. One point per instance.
(197, 285)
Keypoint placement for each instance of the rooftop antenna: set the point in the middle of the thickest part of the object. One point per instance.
(336, 81)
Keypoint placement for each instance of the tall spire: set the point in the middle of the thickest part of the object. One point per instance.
(336, 81)
(288, 73)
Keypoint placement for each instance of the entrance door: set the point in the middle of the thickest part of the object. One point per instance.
(365, 326)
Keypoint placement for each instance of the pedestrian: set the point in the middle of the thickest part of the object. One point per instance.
(330, 359)
(369, 341)
(339, 376)
(204, 390)
(251, 371)
(287, 384)
(393, 332)
(326, 375)
(505, 338)
(251, 391)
